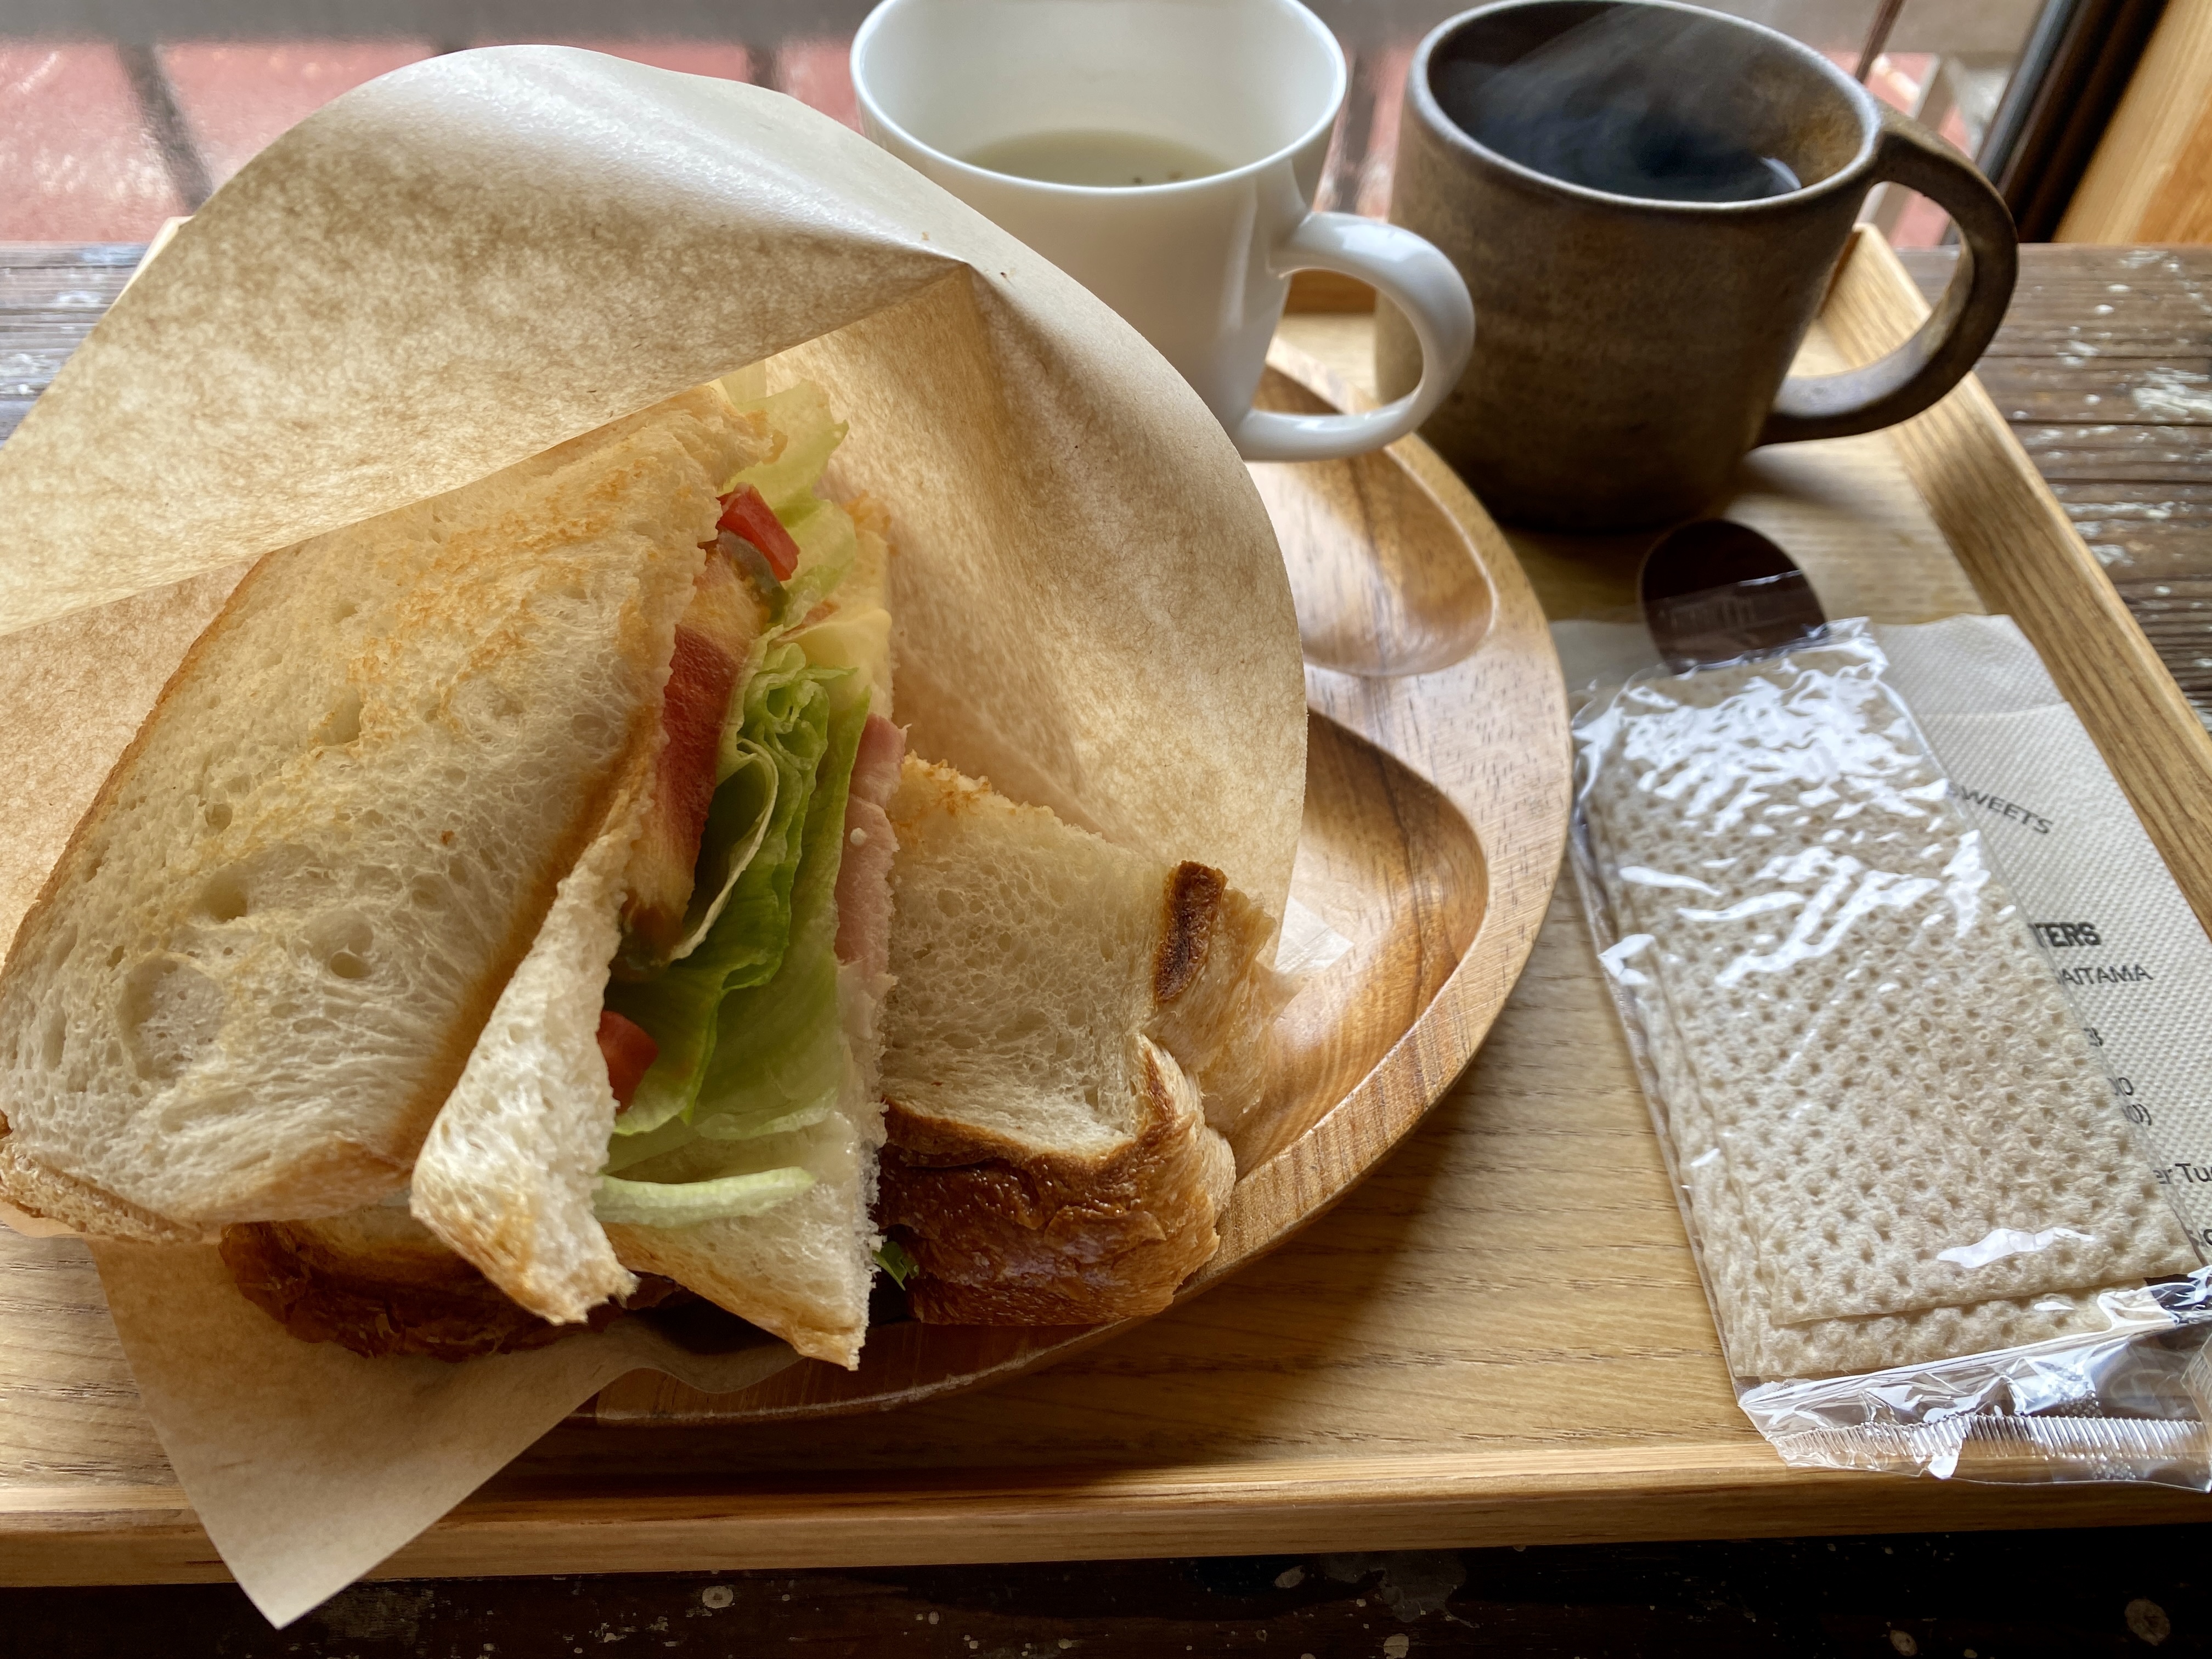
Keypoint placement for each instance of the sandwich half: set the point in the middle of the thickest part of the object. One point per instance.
(520, 907)
(1071, 1026)
(500, 862)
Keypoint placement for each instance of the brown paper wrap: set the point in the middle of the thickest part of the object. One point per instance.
(461, 265)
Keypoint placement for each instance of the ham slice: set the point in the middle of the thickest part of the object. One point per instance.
(863, 877)
(876, 761)
(712, 640)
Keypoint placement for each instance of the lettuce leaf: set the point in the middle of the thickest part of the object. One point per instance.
(810, 432)
(893, 1257)
(787, 710)
(686, 1204)
(860, 640)
(780, 1056)
(774, 1057)
(746, 386)
(824, 530)
(785, 724)
(738, 819)
(685, 1156)
(828, 543)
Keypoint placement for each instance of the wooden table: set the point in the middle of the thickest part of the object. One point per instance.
(2104, 367)
(2062, 366)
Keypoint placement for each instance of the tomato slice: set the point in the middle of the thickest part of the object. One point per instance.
(745, 513)
(628, 1049)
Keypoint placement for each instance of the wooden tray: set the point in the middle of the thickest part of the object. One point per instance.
(1498, 1337)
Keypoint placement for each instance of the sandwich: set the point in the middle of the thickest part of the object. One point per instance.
(1071, 1029)
(497, 923)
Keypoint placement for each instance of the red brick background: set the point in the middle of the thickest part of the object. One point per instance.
(236, 97)
(77, 161)
(88, 156)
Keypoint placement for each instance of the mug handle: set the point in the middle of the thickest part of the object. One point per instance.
(1422, 284)
(1944, 346)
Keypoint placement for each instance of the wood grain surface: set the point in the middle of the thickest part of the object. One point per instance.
(2025, 557)
(1497, 1337)
(2104, 371)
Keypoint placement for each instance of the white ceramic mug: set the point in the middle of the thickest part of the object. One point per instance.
(1200, 266)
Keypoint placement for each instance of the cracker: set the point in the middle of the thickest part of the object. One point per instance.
(1901, 1103)
(1757, 1346)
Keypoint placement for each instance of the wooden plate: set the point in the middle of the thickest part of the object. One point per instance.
(1437, 784)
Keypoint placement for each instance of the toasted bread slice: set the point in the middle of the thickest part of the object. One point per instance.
(1060, 1006)
(507, 1172)
(802, 1269)
(265, 956)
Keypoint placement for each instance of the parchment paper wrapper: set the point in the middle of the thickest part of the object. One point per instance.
(480, 256)
(302, 1497)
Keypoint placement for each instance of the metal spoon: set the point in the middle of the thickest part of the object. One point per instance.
(1716, 589)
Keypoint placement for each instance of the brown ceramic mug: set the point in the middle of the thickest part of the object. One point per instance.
(1644, 272)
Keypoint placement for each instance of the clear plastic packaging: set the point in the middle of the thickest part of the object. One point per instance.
(1931, 1238)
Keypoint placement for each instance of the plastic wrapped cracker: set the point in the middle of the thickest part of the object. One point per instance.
(1905, 1105)
(1893, 1143)
(1864, 1186)
(1740, 1284)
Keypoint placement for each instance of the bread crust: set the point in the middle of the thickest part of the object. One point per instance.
(1002, 1235)
(50, 1196)
(378, 1285)
(1215, 1011)
(1193, 899)
(1063, 1164)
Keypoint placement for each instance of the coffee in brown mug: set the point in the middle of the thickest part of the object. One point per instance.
(1647, 200)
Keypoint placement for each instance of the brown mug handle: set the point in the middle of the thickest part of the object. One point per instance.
(1944, 346)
